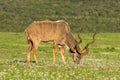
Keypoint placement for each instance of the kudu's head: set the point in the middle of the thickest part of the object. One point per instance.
(79, 53)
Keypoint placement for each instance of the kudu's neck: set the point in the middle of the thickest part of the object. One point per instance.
(70, 42)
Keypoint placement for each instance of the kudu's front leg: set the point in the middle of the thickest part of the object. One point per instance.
(54, 53)
(62, 54)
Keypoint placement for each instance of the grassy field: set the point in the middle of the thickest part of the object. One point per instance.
(102, 63)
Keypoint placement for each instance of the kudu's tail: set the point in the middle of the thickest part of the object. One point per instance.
(29, 40)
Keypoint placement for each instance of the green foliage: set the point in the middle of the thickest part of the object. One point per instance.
(102, 62)
(92, 16)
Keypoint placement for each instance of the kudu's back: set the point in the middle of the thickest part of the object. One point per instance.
(47, 31)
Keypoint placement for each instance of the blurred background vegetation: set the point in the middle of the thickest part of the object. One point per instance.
(90, 15)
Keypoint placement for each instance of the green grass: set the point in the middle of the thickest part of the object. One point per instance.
(103, 61)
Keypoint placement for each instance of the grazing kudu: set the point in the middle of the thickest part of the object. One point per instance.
(59, 33)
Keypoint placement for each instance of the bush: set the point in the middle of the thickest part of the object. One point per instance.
(92, 16)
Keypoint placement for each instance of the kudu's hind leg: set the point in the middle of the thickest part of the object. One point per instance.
(28, 51)
(62, 54)
(35, 46)
(34, 55)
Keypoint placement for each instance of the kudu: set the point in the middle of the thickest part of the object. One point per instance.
(59, 33)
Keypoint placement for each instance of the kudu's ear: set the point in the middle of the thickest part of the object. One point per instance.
(72, 50)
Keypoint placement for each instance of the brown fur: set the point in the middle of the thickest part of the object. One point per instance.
(56, 31)
(59, 33)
